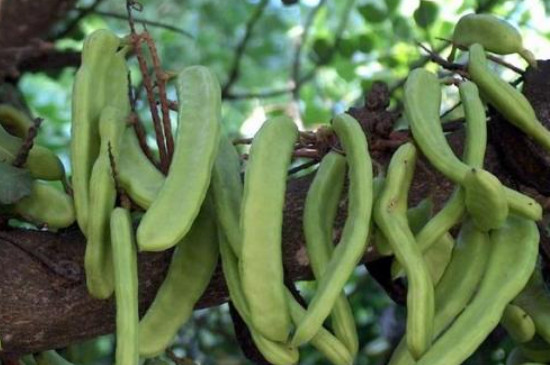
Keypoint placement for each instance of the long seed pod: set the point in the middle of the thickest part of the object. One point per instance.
(168, 220)
(354, 240)
(261, 221)
(390, 215)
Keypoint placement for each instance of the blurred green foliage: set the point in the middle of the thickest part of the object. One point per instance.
(344, 46)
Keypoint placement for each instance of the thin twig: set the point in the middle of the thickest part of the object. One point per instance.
(151, 23)
(83, 12)
(25, 148)
(159, 134)
(303, 166)
(296, 64)
(125, 201)
(161, 83)
(239, 52)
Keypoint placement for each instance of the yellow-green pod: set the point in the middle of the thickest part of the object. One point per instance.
(126, 287)
(139, 178)
(536, 350)
(518, 324)
(191, 268)
(168, 219)
(97, 258)
(14, 121)
(485, 199)
(90, 94)
(515, 245)
(46, 205)
(261, 222)
(41, 162)
(511, 103)
(496, 35)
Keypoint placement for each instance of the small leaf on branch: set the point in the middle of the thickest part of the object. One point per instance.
(15, 183)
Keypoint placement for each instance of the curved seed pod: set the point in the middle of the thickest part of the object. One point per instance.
(168, 220)
(50, 357)
(261, 222)
(323, 340)
(227, 191)
(190, 271)
(511, 103)
(476, 125)
(46, 205)
(320, 210)
(485, 199)
(140, 179)
(41, 162)
(518, 324)
(278, 353)
(390, 216)
(126, 287)
(14, 121)
(514, 245)
(494, 34)
(354, 237)
(535, 301)
(88, 99)
(457, 285)
(422, 101)
(27, 360)
(98, 262)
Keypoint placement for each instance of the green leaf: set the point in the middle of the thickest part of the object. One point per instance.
(402, 28)
(392, 5)
(347, 46)
(366, 42)
(373, 13)
(15, 183)
(426, 13)
(322, 48)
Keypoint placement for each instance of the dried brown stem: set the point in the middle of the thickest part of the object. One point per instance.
(161, 78)
(25, 148)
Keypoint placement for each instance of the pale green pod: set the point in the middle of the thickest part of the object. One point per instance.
(496, 35)
(518, 323)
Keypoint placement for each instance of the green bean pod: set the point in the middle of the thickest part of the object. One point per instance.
(261, 222)
(518, 323)
(515, 245)
(126, 287)
(168, 220)
(323, 340)
(50, 357)
(139, 178)
(354, 237)
(422, 100)
(46, 205)
(14, 121)
(41, 162)
(191, 268)
(390, 216)
(88, 99)
(476, 125)
(278, 353)
(320, 210)
(511, 103)
(98, 261)
(494, 34)
(457, 285)
(535, 301)
(227, 191)
(485, 199)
